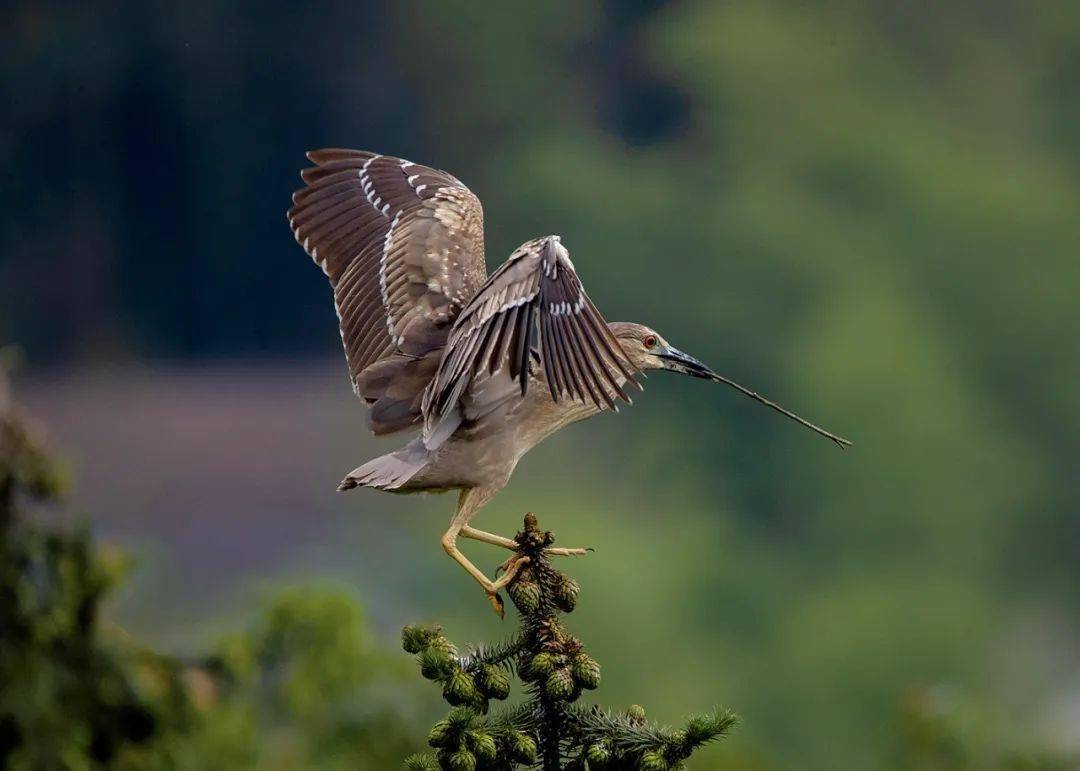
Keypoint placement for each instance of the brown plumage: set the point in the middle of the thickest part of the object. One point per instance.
(485, 366)
(403, 247)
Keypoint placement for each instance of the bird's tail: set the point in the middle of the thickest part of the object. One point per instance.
(388, 472)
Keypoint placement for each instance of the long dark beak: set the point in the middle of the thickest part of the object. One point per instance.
(677, 361)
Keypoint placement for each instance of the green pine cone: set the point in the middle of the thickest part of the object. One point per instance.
(560, 685)
(435, 664)
(493, 682)
(461, 718)
(542, 665)
(522, 747)
(678, 744)
(566, 592)
(586, 671)
(461, 689)
(598, 754)
(438, 642)
(462, 760)
(440, 734)
(482, 745)
(415, 638)
(636, 713)
(525, 595)
(652, 761)
(411, 641)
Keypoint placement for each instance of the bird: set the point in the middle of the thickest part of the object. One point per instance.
(483, 367)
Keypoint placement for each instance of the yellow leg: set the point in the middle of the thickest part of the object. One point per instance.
(468, 503)
(508, 543)
(491, 538)
(490, 587)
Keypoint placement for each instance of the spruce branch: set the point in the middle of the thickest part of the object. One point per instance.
(548, 730)
(498, 654)
(628, 734)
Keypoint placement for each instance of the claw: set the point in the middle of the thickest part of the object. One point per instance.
(507, 563)
(497, 604)
(491, 588)
(511, 566)
(559, 551)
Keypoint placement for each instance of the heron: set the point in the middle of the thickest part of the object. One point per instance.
(484, 367)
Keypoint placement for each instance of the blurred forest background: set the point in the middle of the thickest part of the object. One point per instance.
(869, 210)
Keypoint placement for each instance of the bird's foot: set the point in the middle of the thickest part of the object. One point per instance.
(512, 545)
(559, 551)
(552, 551)
(533, 538)
(511, 566)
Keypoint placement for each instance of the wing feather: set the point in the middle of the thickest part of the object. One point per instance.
(536, 291)
(403, 247)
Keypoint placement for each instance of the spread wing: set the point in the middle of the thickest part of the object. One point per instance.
(403, 247)
(535, 292)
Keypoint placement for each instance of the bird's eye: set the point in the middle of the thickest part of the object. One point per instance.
(650, 341)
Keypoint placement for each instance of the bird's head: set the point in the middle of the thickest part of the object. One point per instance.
(648, 350)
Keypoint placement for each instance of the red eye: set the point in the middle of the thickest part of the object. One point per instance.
(650, 341)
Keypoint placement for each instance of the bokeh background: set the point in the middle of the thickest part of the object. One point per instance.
(870, 211)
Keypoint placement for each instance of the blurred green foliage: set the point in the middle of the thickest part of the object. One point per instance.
(309, 688)
(66, 699)
(941, 729)
(303, 687)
